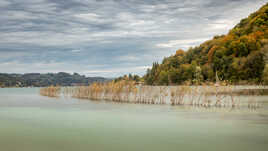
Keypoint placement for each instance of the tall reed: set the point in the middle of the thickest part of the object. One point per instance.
(51, 91)
(128, 92)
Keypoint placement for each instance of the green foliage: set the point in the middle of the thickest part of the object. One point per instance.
(43, 80)
(163, 78)
(237, 56)
(174, 76)
(128, 77)
(265, 75)
(207, 73)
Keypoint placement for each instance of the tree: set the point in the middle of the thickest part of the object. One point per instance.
(239, 55)
(180, 52)
(265, 75)
(207, 72)
(198, 77)
(211, 54)
(254, 65)
(163, 78)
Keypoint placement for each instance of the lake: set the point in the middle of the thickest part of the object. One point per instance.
(30, 122)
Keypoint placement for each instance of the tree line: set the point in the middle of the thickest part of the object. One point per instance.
(238, 57)
(43, 80)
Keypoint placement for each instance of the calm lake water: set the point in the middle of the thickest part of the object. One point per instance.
(30, 122)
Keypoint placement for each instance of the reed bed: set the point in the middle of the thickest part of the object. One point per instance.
(129, 92)
(51, 91)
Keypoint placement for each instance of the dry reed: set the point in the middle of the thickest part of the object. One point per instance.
(129, 92)
(51, 91)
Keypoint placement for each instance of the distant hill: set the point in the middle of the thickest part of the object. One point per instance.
(42, 80)
(239, 56)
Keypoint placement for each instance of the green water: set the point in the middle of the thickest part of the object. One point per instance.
(29, 122)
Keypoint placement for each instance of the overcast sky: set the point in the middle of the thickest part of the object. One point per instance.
(108, 37)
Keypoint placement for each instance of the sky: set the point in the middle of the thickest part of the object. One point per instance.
(108, 38)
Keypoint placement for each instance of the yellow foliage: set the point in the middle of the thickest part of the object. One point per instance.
(179, 52)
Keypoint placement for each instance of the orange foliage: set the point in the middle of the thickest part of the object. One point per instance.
(179, 52)
(211, 53)
(257, 34)
(228, 37)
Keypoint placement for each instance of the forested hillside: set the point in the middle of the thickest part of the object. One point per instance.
(41, 80)
(240, 56)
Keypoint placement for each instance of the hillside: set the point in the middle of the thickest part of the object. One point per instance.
(41, 80)
(239, 56)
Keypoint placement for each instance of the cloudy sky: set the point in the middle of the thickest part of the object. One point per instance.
(108, 37)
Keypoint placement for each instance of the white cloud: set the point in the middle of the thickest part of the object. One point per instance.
(118, 36)
(11, 55)
(179, 43)
(128, 58)
(4, 3)
(17, 15)
(76, 50)
(88, 17)
(113, 72)
(55, 67)
(221, 24)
